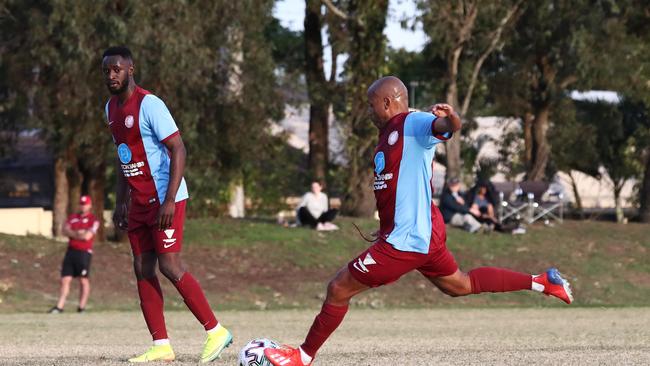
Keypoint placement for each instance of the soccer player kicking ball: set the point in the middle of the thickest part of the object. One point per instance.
(151, 158)
(412, 232)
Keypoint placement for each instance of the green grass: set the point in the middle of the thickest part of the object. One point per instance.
(256, 264)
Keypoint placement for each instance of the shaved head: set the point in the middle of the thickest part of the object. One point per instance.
(387, 97)
(390, 87)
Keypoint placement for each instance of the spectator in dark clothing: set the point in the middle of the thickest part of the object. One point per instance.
(454, 209)
(482, 203)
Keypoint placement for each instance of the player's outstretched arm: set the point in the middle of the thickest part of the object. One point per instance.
(448, 120)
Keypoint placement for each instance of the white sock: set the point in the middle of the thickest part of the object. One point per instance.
(161, 342)
(215, 328)
(306, 359)
(536, 286)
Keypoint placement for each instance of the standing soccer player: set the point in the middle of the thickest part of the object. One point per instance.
(412, 232)
(81, 228)
(151, 159)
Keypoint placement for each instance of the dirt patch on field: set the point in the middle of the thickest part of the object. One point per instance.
(29, 277)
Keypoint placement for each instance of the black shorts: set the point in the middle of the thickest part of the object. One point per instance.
(76, 263)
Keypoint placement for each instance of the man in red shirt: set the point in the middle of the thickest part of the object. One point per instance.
(81, 228)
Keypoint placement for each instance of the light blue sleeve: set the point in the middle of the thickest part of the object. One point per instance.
(158, 118)
(420, 126)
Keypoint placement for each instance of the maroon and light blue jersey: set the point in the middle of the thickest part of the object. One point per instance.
(403, 168)
(140, 127)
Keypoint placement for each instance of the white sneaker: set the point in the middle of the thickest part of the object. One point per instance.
(330, 227)
(519, 231)
(320, 227)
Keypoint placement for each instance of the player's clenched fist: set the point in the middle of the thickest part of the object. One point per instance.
(442, 110)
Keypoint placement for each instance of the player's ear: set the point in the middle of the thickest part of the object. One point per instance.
(386, 103)
(131, 69)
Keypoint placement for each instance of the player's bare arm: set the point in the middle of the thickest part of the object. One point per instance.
(122, 199)
(177, 166)
(448, 120)
(67, 231)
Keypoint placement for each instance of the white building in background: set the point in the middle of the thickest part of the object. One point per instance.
(593, 192)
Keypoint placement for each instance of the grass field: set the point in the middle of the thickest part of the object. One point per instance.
(247, 264)
(567, 336)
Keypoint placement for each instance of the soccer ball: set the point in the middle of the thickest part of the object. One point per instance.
(253, 352)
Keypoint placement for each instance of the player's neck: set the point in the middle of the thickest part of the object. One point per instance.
(125, 95)
(395, 114)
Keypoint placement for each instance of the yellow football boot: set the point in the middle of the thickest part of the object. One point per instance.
(155, 353)
(216, 342)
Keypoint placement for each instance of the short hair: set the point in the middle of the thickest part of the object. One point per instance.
(118, 51)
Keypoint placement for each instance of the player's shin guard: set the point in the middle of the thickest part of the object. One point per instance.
(195, 300)
(151, 303)
(325, 324)
(493, 279)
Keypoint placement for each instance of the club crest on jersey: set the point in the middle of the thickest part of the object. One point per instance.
(124, 153)
(392, 138)
(380, 162)
(128, 121)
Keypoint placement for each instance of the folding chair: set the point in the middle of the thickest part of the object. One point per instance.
(539, 208)
(508, 208)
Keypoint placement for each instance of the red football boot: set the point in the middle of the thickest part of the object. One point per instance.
(551, 283)
(284, 356)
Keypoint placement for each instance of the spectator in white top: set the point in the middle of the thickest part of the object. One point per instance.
(314, 210)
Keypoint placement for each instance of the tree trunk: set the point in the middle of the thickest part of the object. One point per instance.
(576, 196)
(236, 206)
(366, 59)
(453, 145)
(318, 90)
(94, 184)
(75, 180)
(541, 149)
(528, 139)
(620, 216)
(644, 196)
(60, 204)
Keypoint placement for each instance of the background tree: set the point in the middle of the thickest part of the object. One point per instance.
(465, 33)
(365, 22)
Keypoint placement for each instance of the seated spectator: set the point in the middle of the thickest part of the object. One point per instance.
(314, 210)
(482, 204)
(454, 209)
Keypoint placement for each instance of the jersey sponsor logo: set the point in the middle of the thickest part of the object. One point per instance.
(380, 162)
(133, 169)
(361, 265)
(169, 233)
(124, 153)
(128, 121)
(392, 138)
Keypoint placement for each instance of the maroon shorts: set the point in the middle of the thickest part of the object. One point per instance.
(145, 236)
(382, 264)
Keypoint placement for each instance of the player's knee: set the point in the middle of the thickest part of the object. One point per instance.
(171, 271)
(456, 290)
(337, 292)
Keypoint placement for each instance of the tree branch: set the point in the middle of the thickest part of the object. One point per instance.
(336, 11)
(495, 39)
(568, 81)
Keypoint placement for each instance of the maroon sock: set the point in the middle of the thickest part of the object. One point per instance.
(325, 324)
(493, 279)
(151, 303)
(195, 300)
